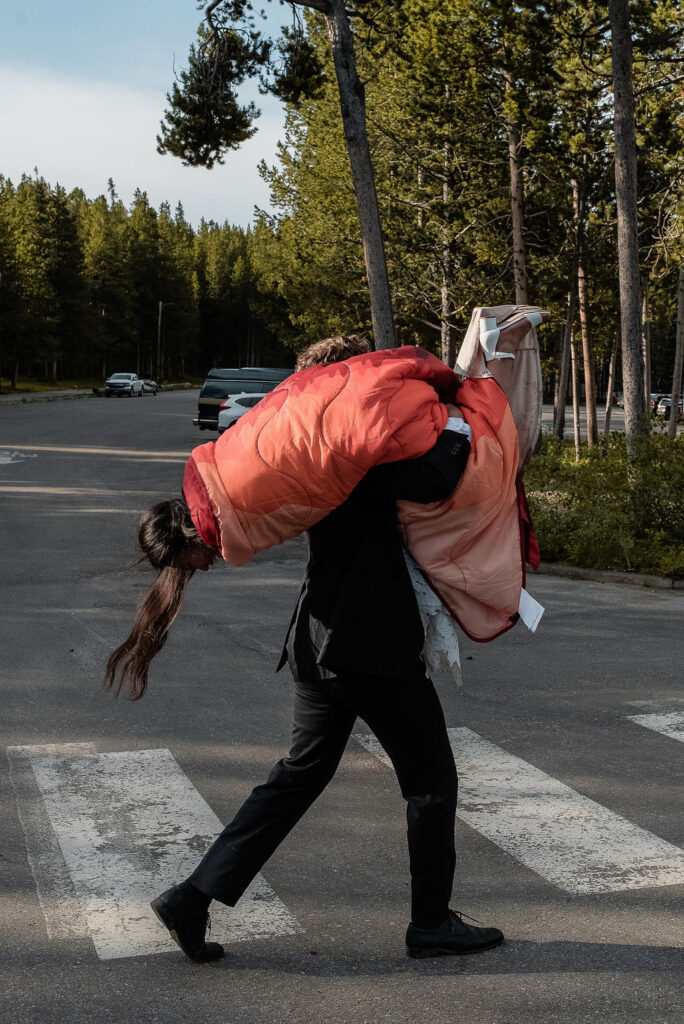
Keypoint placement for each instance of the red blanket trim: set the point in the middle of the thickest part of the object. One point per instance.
(530, 547)
(200, 506)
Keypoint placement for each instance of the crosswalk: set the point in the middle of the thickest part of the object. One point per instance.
(669, 723)
(106, 831)
(112, 830)
(562, 835)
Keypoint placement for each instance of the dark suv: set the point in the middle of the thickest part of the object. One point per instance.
(221, 383)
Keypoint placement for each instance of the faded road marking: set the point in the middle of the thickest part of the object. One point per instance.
(563, 836)
(80, 450)
(129, 825)
(68, 491)
(7, 456)
(669, 724)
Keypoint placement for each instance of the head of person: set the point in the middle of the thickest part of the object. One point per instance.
(171, 544)
(332, 350)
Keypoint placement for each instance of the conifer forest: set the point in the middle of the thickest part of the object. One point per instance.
(491, 135)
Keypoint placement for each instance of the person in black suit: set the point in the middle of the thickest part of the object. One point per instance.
(354, 648)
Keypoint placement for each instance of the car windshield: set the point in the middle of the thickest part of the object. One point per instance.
(121, 376)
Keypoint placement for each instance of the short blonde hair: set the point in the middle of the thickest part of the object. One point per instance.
(332, 350)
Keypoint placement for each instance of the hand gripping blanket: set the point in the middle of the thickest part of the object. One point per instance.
(300, 452)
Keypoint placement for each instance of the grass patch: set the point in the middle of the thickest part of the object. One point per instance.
(29, 387)
(606, 511)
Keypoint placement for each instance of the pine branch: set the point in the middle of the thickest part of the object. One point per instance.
(322, 6)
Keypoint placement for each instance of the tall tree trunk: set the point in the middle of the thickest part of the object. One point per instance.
(514, 132)
(559, 424)
(352, 103)
(611, 385)
(575, 394)
(627, 231)
(446, 344)
(646, 345)
(578, 196)
(556, 380)
(445, 329)
(679, 358)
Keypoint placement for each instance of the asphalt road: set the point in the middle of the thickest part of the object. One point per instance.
(554, 710)
(617, 421)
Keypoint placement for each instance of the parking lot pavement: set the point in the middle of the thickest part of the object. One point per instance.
(568, 745)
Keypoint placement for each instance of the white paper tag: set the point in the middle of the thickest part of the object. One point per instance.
(530, 610)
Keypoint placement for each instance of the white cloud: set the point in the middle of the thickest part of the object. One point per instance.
(80, 132)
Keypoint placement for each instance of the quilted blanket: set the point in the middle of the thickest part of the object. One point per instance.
(300, 452)
(471, 547)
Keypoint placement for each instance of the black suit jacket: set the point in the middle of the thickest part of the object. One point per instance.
(357, 611)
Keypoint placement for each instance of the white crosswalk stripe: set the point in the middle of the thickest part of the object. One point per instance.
(566, 838)
(61, 907)
(127, 825)
(669, 723)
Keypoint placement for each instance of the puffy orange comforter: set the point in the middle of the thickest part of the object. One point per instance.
(300, 452)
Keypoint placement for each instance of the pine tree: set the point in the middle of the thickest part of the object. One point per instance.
(205, 119)
(12, 313)
(48, 260)
(149, 286)
(108, 284)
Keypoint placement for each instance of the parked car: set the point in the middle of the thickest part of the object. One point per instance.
(224, 383)
(231, 409)
(655, 399)
(664, 407)
(123, 384)
(150, 387)
(620, 401)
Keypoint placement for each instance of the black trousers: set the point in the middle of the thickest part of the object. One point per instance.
(407, 718)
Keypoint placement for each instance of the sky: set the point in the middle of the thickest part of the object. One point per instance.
(82, 92)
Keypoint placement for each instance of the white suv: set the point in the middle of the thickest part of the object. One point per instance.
(235, 406)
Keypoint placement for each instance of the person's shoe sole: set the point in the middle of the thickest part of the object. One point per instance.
(418, 953)
(213, 950)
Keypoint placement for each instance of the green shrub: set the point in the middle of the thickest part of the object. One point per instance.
(608, 511)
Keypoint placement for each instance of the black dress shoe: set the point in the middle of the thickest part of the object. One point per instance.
(186, 919)
(452, 938)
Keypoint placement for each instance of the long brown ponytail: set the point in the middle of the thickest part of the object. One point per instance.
(164, 533)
